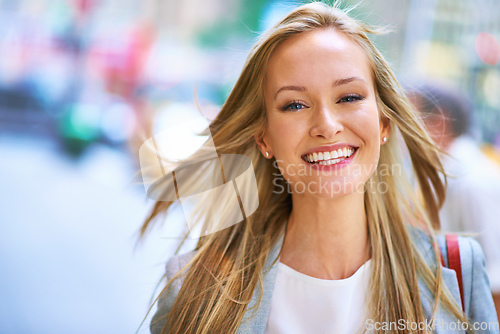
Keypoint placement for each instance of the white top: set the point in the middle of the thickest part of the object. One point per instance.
(305, 304)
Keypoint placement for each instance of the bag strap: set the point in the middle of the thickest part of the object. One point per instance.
(453, 250)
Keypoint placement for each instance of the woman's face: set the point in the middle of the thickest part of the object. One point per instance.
(324, 127)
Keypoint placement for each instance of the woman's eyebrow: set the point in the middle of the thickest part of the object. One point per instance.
(345, 81)
(338, 82)
(296, 88)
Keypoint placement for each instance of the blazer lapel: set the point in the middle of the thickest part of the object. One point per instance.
(255, 320)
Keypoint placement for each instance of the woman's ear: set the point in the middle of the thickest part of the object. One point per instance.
(385, 130)
(264, 148)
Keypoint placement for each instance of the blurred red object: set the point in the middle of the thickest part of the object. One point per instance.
(83, 6)
(488, 48)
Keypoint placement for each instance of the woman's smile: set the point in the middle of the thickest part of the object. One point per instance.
(330, 157)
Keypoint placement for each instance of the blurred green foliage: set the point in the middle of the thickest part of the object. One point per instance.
(240, 25)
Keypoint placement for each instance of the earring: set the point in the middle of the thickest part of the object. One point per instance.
(384, 139)
(267, 154)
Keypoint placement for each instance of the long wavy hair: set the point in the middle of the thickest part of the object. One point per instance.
(227, 267)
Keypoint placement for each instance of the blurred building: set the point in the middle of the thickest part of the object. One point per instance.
(458, 41)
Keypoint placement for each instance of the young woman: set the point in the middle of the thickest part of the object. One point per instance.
(348, 244)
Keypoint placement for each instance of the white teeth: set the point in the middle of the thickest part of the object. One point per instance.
(328, 158)
(330, 162)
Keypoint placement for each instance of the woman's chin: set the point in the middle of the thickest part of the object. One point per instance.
(328, 188)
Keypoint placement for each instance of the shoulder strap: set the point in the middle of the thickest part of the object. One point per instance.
(453, 250)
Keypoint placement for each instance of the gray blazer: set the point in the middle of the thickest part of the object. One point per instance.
(478, 301)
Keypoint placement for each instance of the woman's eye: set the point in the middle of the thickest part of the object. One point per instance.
(351, 98)
(294, 106)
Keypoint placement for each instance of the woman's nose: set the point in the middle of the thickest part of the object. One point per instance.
(325, 123)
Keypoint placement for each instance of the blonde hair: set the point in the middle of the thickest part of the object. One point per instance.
(221, 278)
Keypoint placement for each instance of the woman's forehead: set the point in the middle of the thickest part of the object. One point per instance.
(321, 54)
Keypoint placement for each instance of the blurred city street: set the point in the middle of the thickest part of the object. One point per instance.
(67, 236)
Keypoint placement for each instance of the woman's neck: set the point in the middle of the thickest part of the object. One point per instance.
(326, 238)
